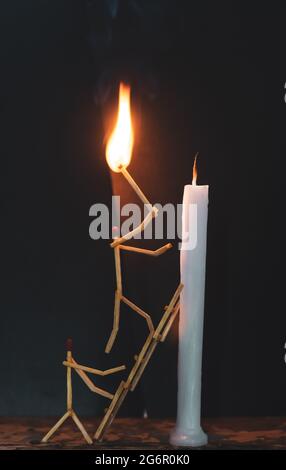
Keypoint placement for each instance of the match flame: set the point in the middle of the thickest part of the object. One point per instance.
(120, 143)
(195, 173)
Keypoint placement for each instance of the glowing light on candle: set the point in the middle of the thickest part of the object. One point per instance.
(195, 173)
(120, 143)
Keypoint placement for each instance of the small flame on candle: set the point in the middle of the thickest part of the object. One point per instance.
(195, 173)
(120, 143)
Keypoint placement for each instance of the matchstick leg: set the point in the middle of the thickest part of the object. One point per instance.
(140, 312)
(69, 382)
(81, 427)
(56, 426)
(115, 327)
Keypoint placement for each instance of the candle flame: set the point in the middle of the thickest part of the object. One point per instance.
(195, 173)
(120, 143)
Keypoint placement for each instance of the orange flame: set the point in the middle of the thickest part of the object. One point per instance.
(120, 143)
(195, 173)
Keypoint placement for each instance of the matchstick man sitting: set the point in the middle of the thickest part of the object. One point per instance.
(71, 364)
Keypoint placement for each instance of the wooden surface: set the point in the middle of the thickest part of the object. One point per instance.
(228, 433)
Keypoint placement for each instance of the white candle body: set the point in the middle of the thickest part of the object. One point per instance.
(188, 431)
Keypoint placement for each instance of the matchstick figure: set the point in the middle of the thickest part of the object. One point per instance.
(118, 245)
(71, 364)
(155, 336)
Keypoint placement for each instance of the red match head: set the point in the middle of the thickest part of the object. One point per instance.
(69, 344)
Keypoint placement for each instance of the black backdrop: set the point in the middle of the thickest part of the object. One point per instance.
(206, 76)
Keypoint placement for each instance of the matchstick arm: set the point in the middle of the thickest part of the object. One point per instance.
(141, 227)
(94, 371)
(143, 251)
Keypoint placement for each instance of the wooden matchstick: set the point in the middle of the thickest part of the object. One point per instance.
(134, 186)
(94, 371)
(168, 311)
(139, 360)
(106, 417)
(143, 251)
(90, 384)
(117, 405)
(170, 322)
(141, 227)
(69, 382)
(139, 311)
(118, 294)
(81, 427)
(115, 327)
(118, 269)
(56, 426)
(143, 364)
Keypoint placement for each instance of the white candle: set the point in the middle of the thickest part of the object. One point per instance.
(188, 431)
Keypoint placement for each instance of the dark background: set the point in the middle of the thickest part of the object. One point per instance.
(206, 76)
